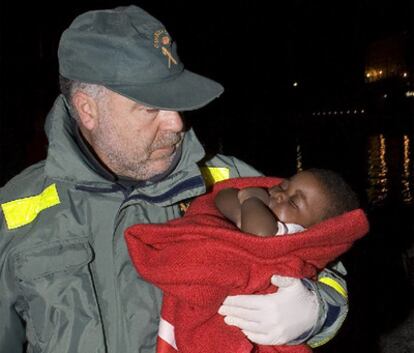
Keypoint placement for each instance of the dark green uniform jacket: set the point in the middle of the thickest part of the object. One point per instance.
(66, 282)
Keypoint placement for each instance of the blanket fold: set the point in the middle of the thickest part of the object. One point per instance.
(202, 258)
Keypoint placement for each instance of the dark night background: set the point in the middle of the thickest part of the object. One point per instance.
(258, 51)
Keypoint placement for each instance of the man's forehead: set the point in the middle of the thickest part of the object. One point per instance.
(127, 101)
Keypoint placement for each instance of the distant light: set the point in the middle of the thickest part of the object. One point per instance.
(405, 74)
(362, 111)
(355, 111)
(385, 95)
(368, 75)
(295, 84)
(409, 94)
(348, 111)
(380, 72)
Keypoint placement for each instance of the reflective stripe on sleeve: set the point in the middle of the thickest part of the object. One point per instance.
(21, 212)
(334, 284)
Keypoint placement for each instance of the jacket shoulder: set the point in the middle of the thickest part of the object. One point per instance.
(25, 196)
(236, 167)
(23, 183)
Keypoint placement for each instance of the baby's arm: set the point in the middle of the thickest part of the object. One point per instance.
(257, 218)
(247, 208)
(228, 203)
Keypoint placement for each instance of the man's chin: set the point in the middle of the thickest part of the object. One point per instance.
(161, 164)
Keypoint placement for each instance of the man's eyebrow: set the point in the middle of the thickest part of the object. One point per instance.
(136, 106)
(140, 107)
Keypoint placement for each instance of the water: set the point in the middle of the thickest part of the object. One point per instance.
(389, 173)
(380, 176)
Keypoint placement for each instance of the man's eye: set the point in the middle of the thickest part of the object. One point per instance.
(148, 110)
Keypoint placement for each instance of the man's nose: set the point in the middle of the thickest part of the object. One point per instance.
(171, 120)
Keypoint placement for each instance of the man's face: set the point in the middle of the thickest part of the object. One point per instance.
(300, 199)
(134, 140)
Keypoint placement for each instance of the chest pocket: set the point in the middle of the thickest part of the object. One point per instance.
(59, 302)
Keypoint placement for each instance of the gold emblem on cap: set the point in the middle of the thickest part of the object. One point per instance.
(163, 40)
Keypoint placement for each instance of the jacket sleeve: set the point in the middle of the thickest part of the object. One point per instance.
(330, 287)
(333, 299)
(12, 329)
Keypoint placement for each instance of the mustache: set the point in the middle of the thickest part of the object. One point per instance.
(167, 139)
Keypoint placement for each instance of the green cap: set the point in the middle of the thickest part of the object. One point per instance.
(131, 53)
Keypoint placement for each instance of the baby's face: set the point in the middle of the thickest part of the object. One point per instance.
(300, 199)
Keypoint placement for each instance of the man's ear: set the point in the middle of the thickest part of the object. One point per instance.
(87, 110)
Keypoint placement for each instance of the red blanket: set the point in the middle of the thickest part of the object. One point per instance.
(200, 259)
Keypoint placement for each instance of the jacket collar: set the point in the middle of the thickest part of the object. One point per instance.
(70, 160)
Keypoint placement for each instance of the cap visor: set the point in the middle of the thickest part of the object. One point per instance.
(186, 91)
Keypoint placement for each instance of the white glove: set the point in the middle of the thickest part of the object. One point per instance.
(276, 318)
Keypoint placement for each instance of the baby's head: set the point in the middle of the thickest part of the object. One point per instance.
(312, 196)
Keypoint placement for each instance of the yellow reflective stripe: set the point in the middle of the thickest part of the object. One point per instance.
(334, 284)
(24, 211)
(213, 175)
(322, 342)
(328, 338)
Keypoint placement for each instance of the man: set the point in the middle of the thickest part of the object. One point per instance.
(119, 155)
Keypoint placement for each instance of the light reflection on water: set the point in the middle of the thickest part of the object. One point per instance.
(379, 170)
(407, 172)
(299, 162)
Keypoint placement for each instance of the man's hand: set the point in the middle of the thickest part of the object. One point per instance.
(276, 318)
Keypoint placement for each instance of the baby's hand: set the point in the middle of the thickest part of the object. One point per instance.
(248, 193)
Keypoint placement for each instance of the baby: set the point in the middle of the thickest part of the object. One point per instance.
(297, 203)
